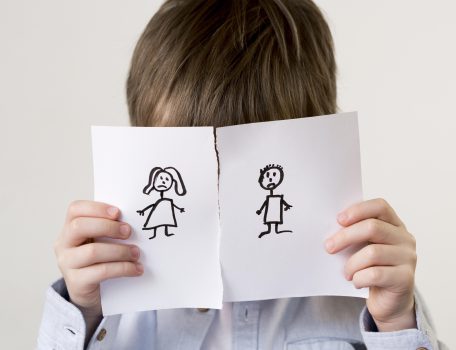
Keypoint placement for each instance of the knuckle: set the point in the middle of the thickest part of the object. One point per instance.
(125, 252)
(73, 207)
(91, 252)
(113, 228)
(126, 268)
(61, 258)
(375, 275)
(106, 227)
(104, 271)
(384, 205)
(75, 225)
(372, 252)
(356, 280)
(373, 226)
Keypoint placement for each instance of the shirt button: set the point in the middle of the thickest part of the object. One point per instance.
(201, 309)
(101, 334)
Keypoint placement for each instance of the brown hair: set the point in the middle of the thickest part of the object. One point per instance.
(225, 62)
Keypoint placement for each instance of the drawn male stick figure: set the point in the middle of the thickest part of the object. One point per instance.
(271, 176)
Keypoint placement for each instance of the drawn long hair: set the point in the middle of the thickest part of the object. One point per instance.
(179, 186)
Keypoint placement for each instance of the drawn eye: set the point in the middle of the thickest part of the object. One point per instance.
(161, 177)
(273, 174)
(167, 179)
(267, 175)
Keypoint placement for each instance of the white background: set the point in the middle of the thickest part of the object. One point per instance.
(63, 65)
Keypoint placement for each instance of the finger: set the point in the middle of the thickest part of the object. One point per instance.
(82, 228)
(374, 208)
(94, 274)
(393, 277)
(377, 255)
(366, 231)
(91, 209)
(90, 254)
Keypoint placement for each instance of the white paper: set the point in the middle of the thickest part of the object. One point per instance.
(182, 270)
(322, 176)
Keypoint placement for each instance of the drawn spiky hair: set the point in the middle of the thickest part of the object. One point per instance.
(271, 166)
(268, 167)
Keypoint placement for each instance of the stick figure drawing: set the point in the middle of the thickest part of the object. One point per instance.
(271, 176)
(162, 211)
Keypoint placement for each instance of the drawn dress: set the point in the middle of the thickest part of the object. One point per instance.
(274, 209)
(162, 214)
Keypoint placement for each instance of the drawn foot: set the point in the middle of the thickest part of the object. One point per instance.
(284, 231)
(152, 237)
(264, 233)
(169, 234)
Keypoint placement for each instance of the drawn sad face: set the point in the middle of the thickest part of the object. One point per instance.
(163, 181)
(271, 178)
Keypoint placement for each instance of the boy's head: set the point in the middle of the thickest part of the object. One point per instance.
(219, 62)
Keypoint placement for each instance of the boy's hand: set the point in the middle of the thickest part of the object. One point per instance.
(83, 263)
(386, 264)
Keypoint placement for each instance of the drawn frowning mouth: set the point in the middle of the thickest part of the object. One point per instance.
(270, 185)
(163, 186)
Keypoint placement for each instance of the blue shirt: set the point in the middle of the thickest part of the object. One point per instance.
(312, 323)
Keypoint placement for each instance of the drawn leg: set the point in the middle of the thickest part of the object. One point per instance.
(283, 231)
(265, 232)
(155, 233)
(166, 232)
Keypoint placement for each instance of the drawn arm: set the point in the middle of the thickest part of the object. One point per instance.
(141, 212)
(180, 209)
(262, 207)
(286, 205)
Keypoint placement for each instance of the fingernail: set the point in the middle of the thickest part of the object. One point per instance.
(139, 268)
(342, 217)
(134, 252)
(329, 245)
(125, 230)
(112, 211)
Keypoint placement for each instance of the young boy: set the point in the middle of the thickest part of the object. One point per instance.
(218, 63)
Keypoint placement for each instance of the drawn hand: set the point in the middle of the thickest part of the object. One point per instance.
(140, 212)
(288, 207)
(386, 264)
(258, 212)
(85, 263)
(181, 210)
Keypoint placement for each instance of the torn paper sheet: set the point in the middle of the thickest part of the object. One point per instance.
(281, 186)
(164, 181)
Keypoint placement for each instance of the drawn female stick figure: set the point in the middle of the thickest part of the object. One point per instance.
(162, 211)
(271, 176)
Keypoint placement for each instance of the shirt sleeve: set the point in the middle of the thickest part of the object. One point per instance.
(423, 337)
(63, 326)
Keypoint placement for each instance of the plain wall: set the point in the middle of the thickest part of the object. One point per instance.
(63, 66)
